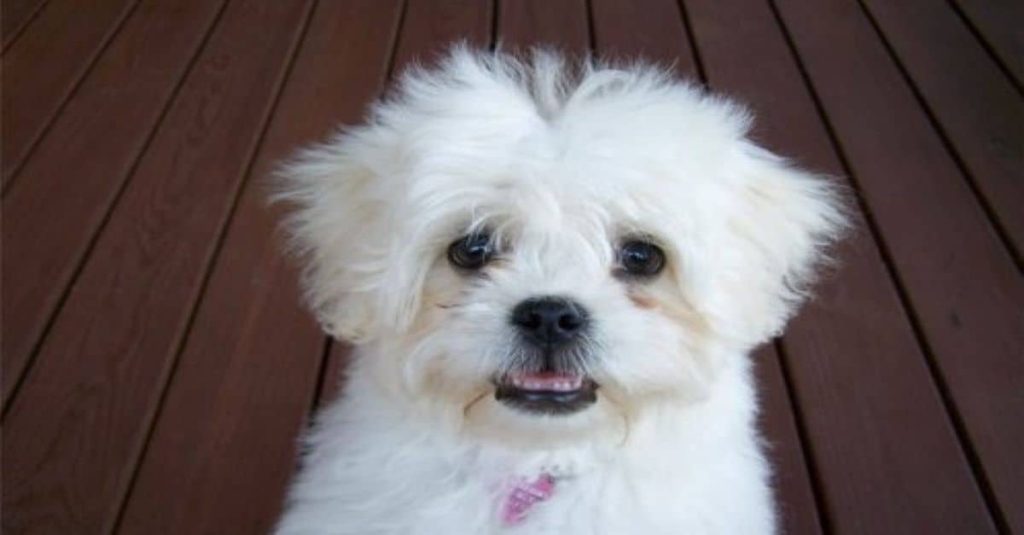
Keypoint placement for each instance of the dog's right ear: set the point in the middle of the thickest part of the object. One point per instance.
(336, 227)
(786, 222)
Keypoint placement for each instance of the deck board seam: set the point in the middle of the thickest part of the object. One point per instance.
(986, 206)
(76, 271)
(320, 386)
(691, 38)
(953, 416)
(987, 45)
(396, 42)
(16, 34)
(934, 369)
(588, 7)
(164, 385)
(48, 123)
(495, 20)
(821, 503)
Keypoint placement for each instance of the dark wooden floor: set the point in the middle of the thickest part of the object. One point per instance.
(156, 363)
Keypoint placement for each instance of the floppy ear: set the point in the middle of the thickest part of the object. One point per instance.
(785, 220)
(340, 227)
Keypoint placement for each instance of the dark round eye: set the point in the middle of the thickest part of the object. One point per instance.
(472, 251)
(641, 258)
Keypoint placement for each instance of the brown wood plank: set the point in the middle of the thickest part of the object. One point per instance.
(655, 29)
(966, 292)
(15, 15)
(73, 435)
(433, 26)
(42, 68)
(999, 23)
(245, 381)
(527, 23)
(979, 109)
(861, 382)
(650, 29)
(77, 170)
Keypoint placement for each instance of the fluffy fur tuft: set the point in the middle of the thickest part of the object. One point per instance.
(559, 163)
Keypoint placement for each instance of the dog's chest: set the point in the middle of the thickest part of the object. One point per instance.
(597, 503)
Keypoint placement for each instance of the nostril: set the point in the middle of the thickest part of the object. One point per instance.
(570, 321)
(532, 321)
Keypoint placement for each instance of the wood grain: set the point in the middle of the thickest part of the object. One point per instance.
(246, 378)
(978, 108)
(66, 39)
(74, 434)
(966, 293)
(51, 217)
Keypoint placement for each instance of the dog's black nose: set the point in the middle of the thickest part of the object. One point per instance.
(550, 321)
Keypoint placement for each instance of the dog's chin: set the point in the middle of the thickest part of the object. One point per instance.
(546, 393)
(500, 422)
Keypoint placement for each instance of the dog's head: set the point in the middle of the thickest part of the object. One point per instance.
(532, 245)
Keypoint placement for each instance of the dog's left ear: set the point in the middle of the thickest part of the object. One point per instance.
(785, 220)
(358, 277)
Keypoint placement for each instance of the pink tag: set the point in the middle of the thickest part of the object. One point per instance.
(523, 495)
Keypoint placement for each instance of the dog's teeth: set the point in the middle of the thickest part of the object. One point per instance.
(552, 383)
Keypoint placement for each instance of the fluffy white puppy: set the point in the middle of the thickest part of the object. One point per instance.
(553, 275)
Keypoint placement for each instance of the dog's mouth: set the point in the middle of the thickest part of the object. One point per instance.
(546, 392)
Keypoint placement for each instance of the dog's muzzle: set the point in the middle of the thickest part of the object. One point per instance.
(552, 378)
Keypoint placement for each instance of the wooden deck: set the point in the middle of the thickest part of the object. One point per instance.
(157, 365)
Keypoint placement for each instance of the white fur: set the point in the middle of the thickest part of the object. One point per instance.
(561, 162)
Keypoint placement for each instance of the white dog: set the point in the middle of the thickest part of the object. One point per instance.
(553, 275)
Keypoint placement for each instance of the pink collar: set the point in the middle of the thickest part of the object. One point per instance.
(522, 495)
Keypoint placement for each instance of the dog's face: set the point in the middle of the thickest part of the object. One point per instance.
(530, 251)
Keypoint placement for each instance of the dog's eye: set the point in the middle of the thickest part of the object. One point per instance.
(472, 251)
(641, 258)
